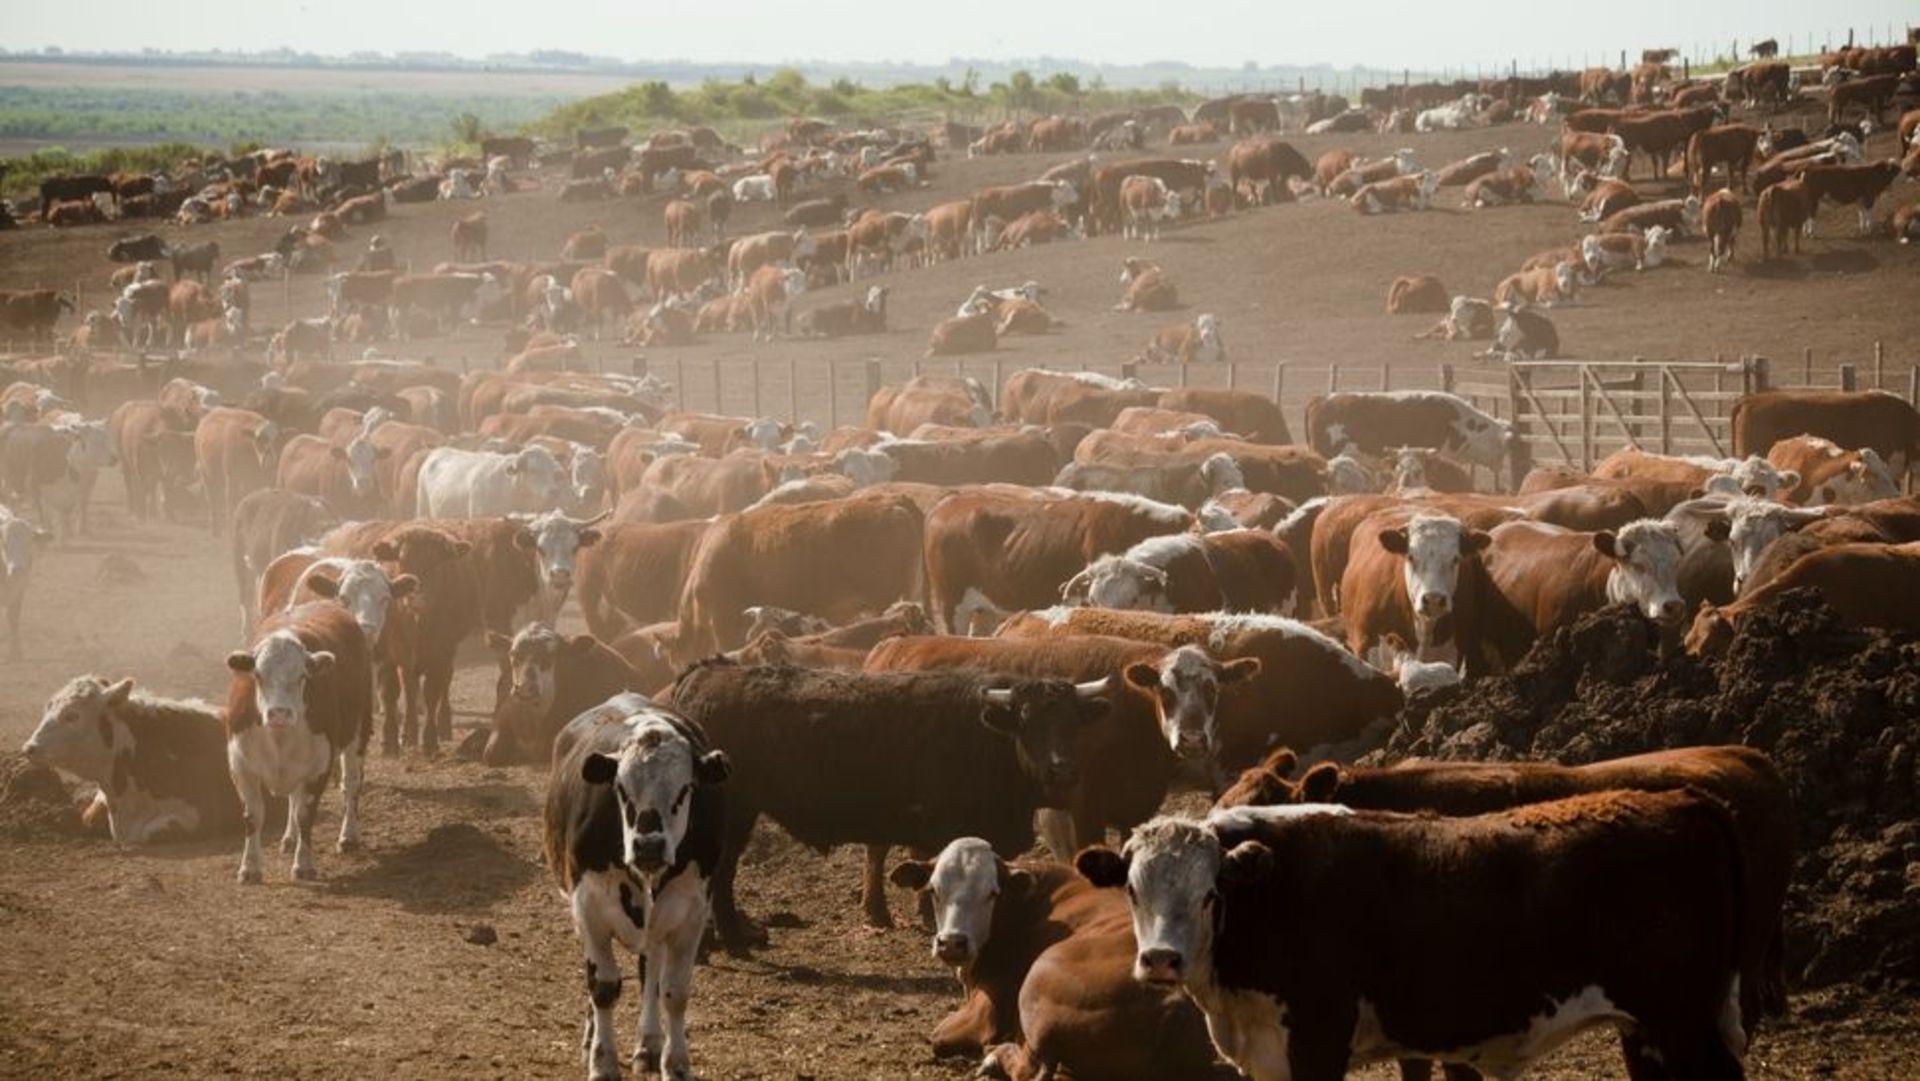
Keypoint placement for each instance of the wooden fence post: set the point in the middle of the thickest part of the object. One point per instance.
(1759, 374)
(1879, 365)
(1849, 378)
(719, 405)
(1446, 378)
(1586, 420)
(757, 414)
(1666, 418)
(793, 390)
(833, 394)
(680, 383)
(1386, 376)
(1129, 370)
(873, 382)
(1280, 381)
(1333, 378)
(1233, 375)
(1806, 366)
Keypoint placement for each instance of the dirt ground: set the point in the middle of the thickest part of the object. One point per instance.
(155, 964)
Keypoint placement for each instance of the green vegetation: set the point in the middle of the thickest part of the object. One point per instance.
(752, 104)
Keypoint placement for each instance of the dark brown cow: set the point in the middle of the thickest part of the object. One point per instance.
(910, 759)
(1266, 164)
(795, 556)
(545, 681)
(1859, 186)
(422, 635)
(1635, 895)
(299, 699)
(1247, 414)
(1413, 293)
(997, 548)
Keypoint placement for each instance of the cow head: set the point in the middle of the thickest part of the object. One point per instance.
(967, 881)
(1761, 479)
(538, 473)
(1043, 717)
(1432, 547)
(1222, 474)
(1266, 784)
(362, 588)
(1646, 575)
(1754, 524)
(1866, 478)
(280, 666)
(1185, 688)
(764, 433)
(80, 731)
(90, 446)
(653, 777)
(555, 541)
(1711, 633)
(865, 466)
(18, 539)
(1655, 251)
(589, 469)
(1116, 581)
(360, 455)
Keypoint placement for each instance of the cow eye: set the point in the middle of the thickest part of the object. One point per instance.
(1209, 899)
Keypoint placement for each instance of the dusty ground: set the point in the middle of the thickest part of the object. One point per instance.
(154, 964)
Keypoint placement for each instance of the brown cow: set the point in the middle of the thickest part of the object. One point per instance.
(1886, 422)
(633, 576)
(546, 681)
(156, 448)
(1731, 145)
(929, 399)
(709, 486)
(1415, 574)
(1720, 216)
(267, 524)
(469, 236)
(1827, 474)
(1869, 585)
(961, 335)
(300, 698)
(1784, 211)
(1417, 293)
(792, 556)
(233, 453)
(1148, 288)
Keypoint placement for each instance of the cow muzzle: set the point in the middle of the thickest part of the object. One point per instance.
(1159, 966)
(1435, 605)
(648, 854)
(280, 716)
(952, 949)
(1671, 611)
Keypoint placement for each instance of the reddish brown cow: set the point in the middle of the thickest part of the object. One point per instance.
(1417, 293)
(1784, 211)
(929, 399)
(633, 576)
(1877, 419)
(1731, 145)
(233, 453)
(709, 486)
(1869, 585)
(156, 449)
(961, 335)
(546, 681)
(1856, 185)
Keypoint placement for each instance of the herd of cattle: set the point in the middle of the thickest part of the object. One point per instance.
(978, 619)
(701, 282)
(987, 616)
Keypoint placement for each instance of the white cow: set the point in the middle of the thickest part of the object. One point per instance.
(89, 450)
(458, 483)
(754, 189)
(18, 539)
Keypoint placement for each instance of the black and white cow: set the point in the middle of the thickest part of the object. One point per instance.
(1374, 423)
(633, 833)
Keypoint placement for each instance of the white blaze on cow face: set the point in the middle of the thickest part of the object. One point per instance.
(281, 666)
(764, 433)
(360, 455)
(1186, 688)
(359, 586)
(1760, 479)
(78, 732)
(18, 539)
(1120, 582)
(1754, 524)
(1647, 554)
(653, 778)
(556, 541)
(1431, 546)
(530, 660)
(1172, 868)
(966, 881)
(1865, 479)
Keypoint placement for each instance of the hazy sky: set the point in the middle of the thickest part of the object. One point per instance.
(1386, 33)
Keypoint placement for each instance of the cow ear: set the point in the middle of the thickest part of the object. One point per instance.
(588, 536)
(318, 664)
(385, 552)
(1101, 866)
(118, 693)
(1476, 542)
(523, 539)
(1246, 862)
(1142, 677)
(713, 767)
(240, 661)
(499, 641)
(1607, 544)
(1003, 718)
(461, 548)
(581, 644)
(1236, 670)
(403, 585)
(1719, 530)
(1320, 783)
(323, 586)
(911, 874)
(599, 769)
(1282, 762)
(1790, 478)
(1394, 540)
(337, 451)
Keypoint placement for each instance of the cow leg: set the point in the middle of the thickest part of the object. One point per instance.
(302, 808)
(873, 888)
(13, 626)
(353, 764)
(388, 680)
(411, 684)
(682, 907)
(737, 933)
(253, 804)
(603, 991)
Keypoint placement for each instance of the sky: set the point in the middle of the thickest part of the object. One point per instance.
(1426, 34)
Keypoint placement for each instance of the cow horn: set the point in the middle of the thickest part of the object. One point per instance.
(998, 696)
(583, 523)
(1092, 688)
(1078, 585)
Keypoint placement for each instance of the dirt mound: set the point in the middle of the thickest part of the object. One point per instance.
(35, 802)
(1838, 710)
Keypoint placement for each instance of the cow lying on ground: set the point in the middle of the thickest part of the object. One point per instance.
(547, 680)
(160, 763)
(1239, 570)
(1044, 961)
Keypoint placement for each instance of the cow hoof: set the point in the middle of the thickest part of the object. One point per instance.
(390, 747)
(249, 878)
(305, 874)
(349, 844)
(879, 919)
